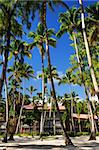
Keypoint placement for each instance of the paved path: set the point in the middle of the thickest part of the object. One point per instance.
(56, 143)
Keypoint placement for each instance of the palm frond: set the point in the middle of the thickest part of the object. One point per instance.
(52, 42)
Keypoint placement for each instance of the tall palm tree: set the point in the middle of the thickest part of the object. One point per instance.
(68, 24)
(88, 51)
(67, 80)
(47, 79)
(9, 23)
(31, 90)
(79, 109)
(39, 38)
(25, 72)
(92, 21)
(43, 19)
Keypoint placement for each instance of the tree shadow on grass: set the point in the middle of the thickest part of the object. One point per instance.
(91, 144)
(45, 147)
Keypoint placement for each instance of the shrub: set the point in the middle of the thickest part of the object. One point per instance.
(97, 134)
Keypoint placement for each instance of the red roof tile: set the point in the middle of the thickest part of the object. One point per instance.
(83, 116)
(39, 106)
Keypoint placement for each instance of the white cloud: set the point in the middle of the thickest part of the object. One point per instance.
(60, 74)
(55, 80)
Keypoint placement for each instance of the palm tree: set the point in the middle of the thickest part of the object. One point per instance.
(9, 23)
(38, 38)
(88, 51)
(92, 23)
(79, 110)
(47, 78)
(67, 80)
(31, 90)
(43, 19)
(68, 24)
(39, 41)
(25, 72)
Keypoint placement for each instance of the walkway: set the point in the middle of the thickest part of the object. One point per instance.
(51, 143)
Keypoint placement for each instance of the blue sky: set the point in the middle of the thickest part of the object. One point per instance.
(59, 55)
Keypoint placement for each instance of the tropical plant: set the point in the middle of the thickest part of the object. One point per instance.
(70, 23)
(26, 72)
(92, 72)
(10, 24)
(43, 19)
(31, 90)
(39, 41)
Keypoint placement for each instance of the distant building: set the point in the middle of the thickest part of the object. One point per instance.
(52, 122)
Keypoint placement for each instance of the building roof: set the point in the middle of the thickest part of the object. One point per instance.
(61, 108)
(83, 116)
(39, 106)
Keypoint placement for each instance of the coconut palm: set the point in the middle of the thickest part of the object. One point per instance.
(44, 22)
(10, 24)
(47, 78)
(25, 72)
(38, 38)
(93, 76)
(92, 22)
(68, 24)
(31, 90)
(67, 80)
(79, 110)
(39, 41)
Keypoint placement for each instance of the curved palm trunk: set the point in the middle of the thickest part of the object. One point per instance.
(93, 134)
(42, 113)
(88, 51)
(6, 53)
(95, 112)
(79, 123)
(21, 109)
(67, 139)
(54, 124)
(7, 111)
(3, 76)
(72, 120)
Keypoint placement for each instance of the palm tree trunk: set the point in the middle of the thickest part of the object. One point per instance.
(93, 135)
(3, 79)
(5, 61)
(42, 113)
(67, 139)
(88, 51)
(54, 127)
(95, 113)
(72, 120)
(21, 109)
(14, 101)
(79, 123)
(7, 111)
(6, 97)
(77, 54)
